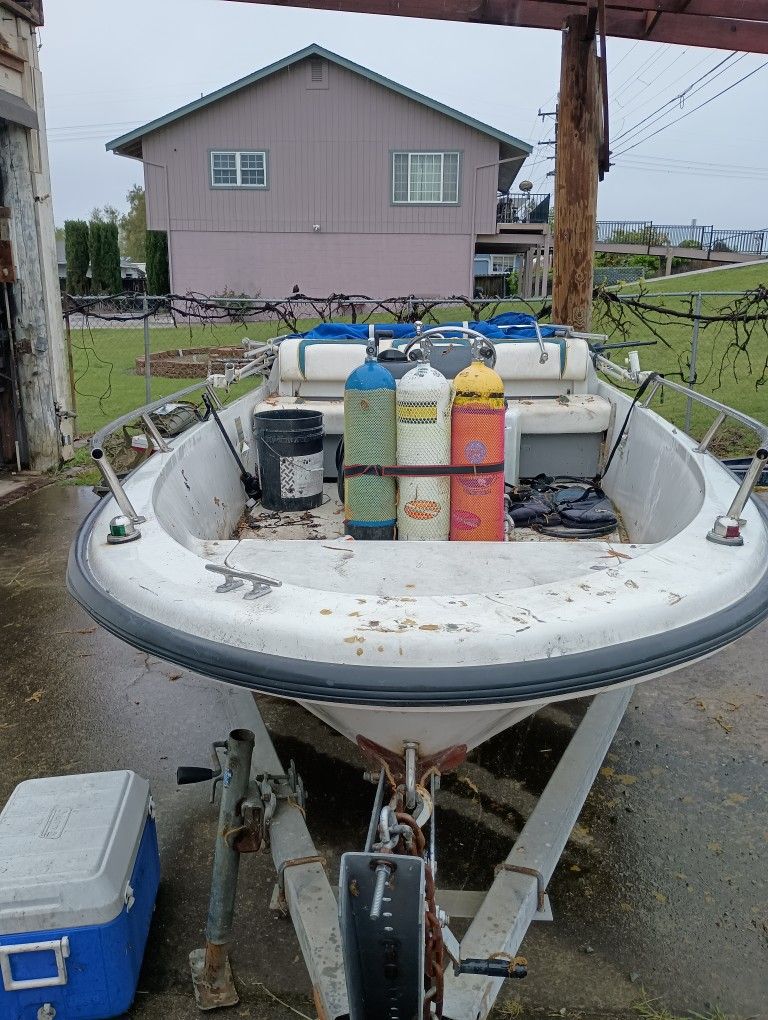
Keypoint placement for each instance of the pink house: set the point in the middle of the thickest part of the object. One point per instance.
(318, 173)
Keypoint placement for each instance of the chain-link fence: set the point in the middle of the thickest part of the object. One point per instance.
(715, 342)
(132, 349)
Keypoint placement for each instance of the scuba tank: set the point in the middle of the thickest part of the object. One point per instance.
(477, 437)
(370, 437)
(423, 437)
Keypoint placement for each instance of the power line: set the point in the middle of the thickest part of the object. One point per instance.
(662, 111)
(696, 163)
(622, 59)
(674, 81)
(699, 107)
(632, 78)
(696, 172)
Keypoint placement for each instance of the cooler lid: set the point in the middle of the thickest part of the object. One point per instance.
(68, 845)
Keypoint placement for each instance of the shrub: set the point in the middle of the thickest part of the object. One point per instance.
(78, 255)
(158, 276)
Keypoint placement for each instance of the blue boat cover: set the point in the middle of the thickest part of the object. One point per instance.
(357, 330)
(513, 319)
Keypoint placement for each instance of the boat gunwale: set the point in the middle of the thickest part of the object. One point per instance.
(572, 674)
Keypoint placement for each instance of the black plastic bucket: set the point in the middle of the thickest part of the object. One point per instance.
(289, 446)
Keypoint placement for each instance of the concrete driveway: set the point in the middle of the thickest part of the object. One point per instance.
(662, 890)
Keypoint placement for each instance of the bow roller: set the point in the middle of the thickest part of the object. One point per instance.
(423, 437)
(477, 440)
(370, 438)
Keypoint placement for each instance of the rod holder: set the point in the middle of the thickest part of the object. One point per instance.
(115, 486)
(753, 473)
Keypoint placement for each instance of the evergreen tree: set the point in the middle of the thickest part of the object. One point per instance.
(105, 258)
(158, 276)
(113, 281)
(77, 249)
(96, 239)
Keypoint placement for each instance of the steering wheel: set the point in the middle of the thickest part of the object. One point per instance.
(482, 348)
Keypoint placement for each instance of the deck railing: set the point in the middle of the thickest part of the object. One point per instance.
(529, 208)
(523, 208)
(709, 239)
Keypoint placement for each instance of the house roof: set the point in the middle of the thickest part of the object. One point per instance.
(130, 144)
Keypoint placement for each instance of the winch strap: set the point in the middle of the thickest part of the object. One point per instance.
(420, 470)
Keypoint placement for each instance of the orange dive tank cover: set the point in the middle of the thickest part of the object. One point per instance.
(477, 437)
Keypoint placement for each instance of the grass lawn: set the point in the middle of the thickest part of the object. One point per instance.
(746, 277)
(107, 384)
(104, 360)
(728, 373)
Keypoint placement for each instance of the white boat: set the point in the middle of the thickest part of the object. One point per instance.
(447, 643)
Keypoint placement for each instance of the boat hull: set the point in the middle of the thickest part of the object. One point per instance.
(396, 641)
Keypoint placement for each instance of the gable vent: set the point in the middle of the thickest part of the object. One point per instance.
(318, 73)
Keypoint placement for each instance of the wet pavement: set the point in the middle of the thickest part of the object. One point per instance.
(662, 890)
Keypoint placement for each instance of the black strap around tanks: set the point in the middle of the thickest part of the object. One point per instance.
(419, 470)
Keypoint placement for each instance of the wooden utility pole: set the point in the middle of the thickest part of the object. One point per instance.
(579, 132)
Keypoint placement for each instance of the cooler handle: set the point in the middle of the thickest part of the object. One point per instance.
(60, 949)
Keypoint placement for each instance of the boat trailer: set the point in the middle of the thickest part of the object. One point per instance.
(385, 949)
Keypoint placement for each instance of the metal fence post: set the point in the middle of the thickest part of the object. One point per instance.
(147, 353)
(694, 359)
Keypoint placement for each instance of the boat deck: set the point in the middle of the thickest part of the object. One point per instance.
(309, 548)
(326, 523)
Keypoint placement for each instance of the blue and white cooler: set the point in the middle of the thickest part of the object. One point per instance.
(79, 872)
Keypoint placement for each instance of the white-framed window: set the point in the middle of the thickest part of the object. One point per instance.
(238, 169)
(425, 178)
(503, 263)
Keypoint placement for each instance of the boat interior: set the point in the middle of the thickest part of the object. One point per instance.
(560, 423)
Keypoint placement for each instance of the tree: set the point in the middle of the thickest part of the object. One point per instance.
(111, 255)
(96, 241)
(158, 276)
(645, 235)
(133, 225)
(105, 258)
(105, 214)
(607, 258)
(77, 250)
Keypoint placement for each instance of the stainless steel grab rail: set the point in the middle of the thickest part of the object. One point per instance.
(727, 527)
(759, 428)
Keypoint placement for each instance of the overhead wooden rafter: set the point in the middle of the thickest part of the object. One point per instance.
(721, 24)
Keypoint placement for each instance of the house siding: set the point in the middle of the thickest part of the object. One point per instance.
(270, 265)
(329, 165)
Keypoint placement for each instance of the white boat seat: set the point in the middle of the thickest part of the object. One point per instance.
(321, 360)
(332, 361)
(519, 361)
(576, 413)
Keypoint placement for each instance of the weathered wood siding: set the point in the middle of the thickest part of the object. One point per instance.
(329, 163)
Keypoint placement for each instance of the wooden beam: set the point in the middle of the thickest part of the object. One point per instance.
(625, 19)
(733, 10)
(578, 144)
(30, 335)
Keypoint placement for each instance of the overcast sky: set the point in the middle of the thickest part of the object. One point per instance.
(109, 67)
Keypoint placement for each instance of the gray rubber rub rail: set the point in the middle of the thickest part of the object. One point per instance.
(504, 683)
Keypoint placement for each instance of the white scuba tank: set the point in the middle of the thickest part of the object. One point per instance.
(423, 437)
